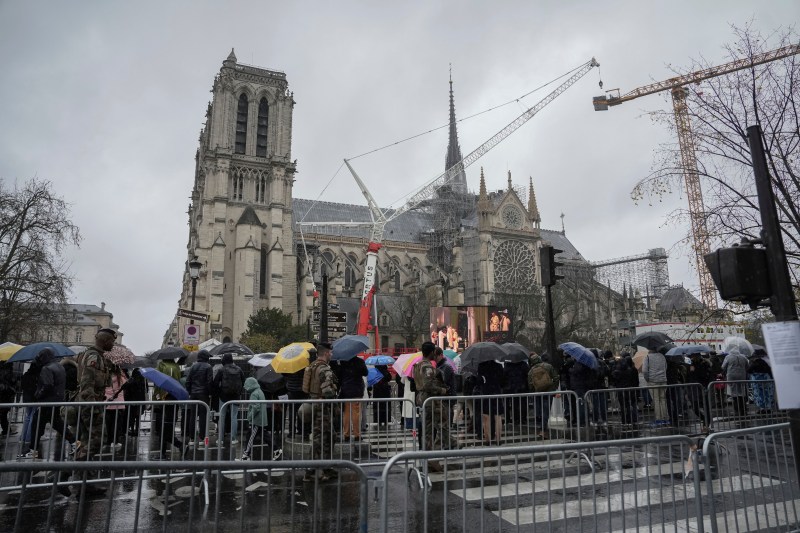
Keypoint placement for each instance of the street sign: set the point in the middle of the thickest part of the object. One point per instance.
(191, 334)
(333, 306)
(194, 315)
(190, 347)
(334, 317)
(331, 329)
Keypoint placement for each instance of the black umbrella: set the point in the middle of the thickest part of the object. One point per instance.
(270, 381)
(480, 352)
(652, 340)
(232, 348)
(515, 352)
(170, 352)
(139, 362)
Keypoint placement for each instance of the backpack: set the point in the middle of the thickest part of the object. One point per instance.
(543, 379)
(231, 385)
(311, 385)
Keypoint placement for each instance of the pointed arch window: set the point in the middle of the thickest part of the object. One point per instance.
(350, 273)
(263, 272)
(263, 122)
(241, 124)
(397, 281)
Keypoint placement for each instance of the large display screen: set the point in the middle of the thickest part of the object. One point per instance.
(455, 328)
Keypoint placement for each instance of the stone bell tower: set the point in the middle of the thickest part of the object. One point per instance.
(240, 216)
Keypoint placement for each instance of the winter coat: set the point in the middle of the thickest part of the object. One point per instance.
(382, 389)
(625, 374)
(256, 412)
(699, 372)
(351, 376)
(170, 368)
(490, 375)
(654, 368)
(294, 382)
(515, 376)
(676, 372)
(52, 378)
(759, 366)
(582, 379)
(233, 372)
(448, 376)
(30, 380)
(7, 391)
(71, 369)
(200, 378)
(135, 389)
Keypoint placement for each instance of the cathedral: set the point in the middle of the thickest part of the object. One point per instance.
(459, 247)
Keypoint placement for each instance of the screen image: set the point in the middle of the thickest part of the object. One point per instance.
(455, 328)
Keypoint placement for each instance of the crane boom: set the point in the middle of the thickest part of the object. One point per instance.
(697, 76)
(691, 177)
(440, 181)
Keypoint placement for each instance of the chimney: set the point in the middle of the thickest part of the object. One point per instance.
(102, 306)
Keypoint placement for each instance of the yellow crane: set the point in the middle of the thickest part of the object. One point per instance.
(677, 87)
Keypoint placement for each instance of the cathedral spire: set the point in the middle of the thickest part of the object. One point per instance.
(483, 197)
(459, 183)
(509, 182)
(533, 209)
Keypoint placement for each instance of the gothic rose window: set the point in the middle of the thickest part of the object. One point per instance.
(514, 266)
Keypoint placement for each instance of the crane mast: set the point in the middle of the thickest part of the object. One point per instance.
(694, 192)
(380, 218)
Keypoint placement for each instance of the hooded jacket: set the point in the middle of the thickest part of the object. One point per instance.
(654, 368)
(71, 370)
(625, 374)
(30, 381)
(351, 376)
(516, 377)
(231, 372)
(256, 412)
(7, 391)
(52, 379)
(201, 376)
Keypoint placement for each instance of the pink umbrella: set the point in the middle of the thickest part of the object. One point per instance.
(119, 355)
(406, 366)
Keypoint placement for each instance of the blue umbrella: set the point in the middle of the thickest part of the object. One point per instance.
(165, 382)
(349, 346)
(380, 360)
(374, 376)
(30, 352)
(580, 354)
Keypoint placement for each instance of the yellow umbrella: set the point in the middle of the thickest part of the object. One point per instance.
(293, 358)
(7, 349)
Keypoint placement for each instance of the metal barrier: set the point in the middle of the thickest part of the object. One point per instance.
(751, 480)
(161, 496)
(742, 404)
(450, 422)
(107, 431)
(633, 485)
(624, 413)
(363, 431)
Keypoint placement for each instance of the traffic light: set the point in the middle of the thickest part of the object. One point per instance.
(547, 259)
(740, 273)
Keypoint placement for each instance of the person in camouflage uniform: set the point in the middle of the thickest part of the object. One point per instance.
(429, 383)
(320, 383)
(94, 375)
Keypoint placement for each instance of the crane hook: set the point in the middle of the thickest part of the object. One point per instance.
(601, 84)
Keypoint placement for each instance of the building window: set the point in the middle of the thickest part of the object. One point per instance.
(384, 342)
(241, 124)
(513, 268)
(238, 188)
(261, 135)
(397, 281)
(384, 321)
(349, 277)
(263, 272)
(261, 190)
(49, 336)
(78, 336)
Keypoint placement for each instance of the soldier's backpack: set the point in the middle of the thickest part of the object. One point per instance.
(542, 379)
(231, 384)
(311, 385)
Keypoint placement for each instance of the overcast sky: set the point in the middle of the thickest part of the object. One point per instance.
(106, 99)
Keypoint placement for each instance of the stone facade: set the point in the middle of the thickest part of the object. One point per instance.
(72, 325)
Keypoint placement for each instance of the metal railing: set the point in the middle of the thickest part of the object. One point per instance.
(742, 404)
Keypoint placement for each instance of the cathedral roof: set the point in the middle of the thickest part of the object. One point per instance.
(249, 217)
(560, 242)
(408, 227)
(678, 299)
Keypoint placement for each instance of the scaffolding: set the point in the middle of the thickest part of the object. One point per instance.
(646, 274)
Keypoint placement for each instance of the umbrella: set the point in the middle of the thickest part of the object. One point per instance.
(29, 352)
(450, 354)
(737, 344)
(165, 382)
(652, 340)
(405, 363)
(380, 360)
(7, 349)
(480, 352)
(638, 359)
(515, 352)
(349, 346)
(231, 347)
(758, 351)
(78, 349)
(374, 376)
(262, 359)
(293, 357)
(687, 349)
(210, 343)
(139, 362)
(120, 355)
(270, 381)
(170, 352)
(580, 354)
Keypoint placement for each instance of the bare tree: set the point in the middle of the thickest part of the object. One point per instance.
(34, 281)
(411, 316)
(721, 109)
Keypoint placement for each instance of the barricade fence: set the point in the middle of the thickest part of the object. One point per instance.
(741, 404)
(365, 431)
(453, 422)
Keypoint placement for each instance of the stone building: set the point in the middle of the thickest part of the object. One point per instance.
(72, 325)
(457, 248)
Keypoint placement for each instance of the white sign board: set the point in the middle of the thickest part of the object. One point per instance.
(191, 334)
(783, 347)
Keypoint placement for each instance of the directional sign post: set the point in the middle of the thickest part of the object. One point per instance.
(194, 315)
(334, 317)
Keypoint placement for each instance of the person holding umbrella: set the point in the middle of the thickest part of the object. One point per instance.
(428, 382)
(198, 384)
(350, 373)
(229, 382)
(654, 370)
(320, 383)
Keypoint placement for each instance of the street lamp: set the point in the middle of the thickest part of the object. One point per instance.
(194, 273)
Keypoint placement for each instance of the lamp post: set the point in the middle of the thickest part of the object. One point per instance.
(194, 273)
